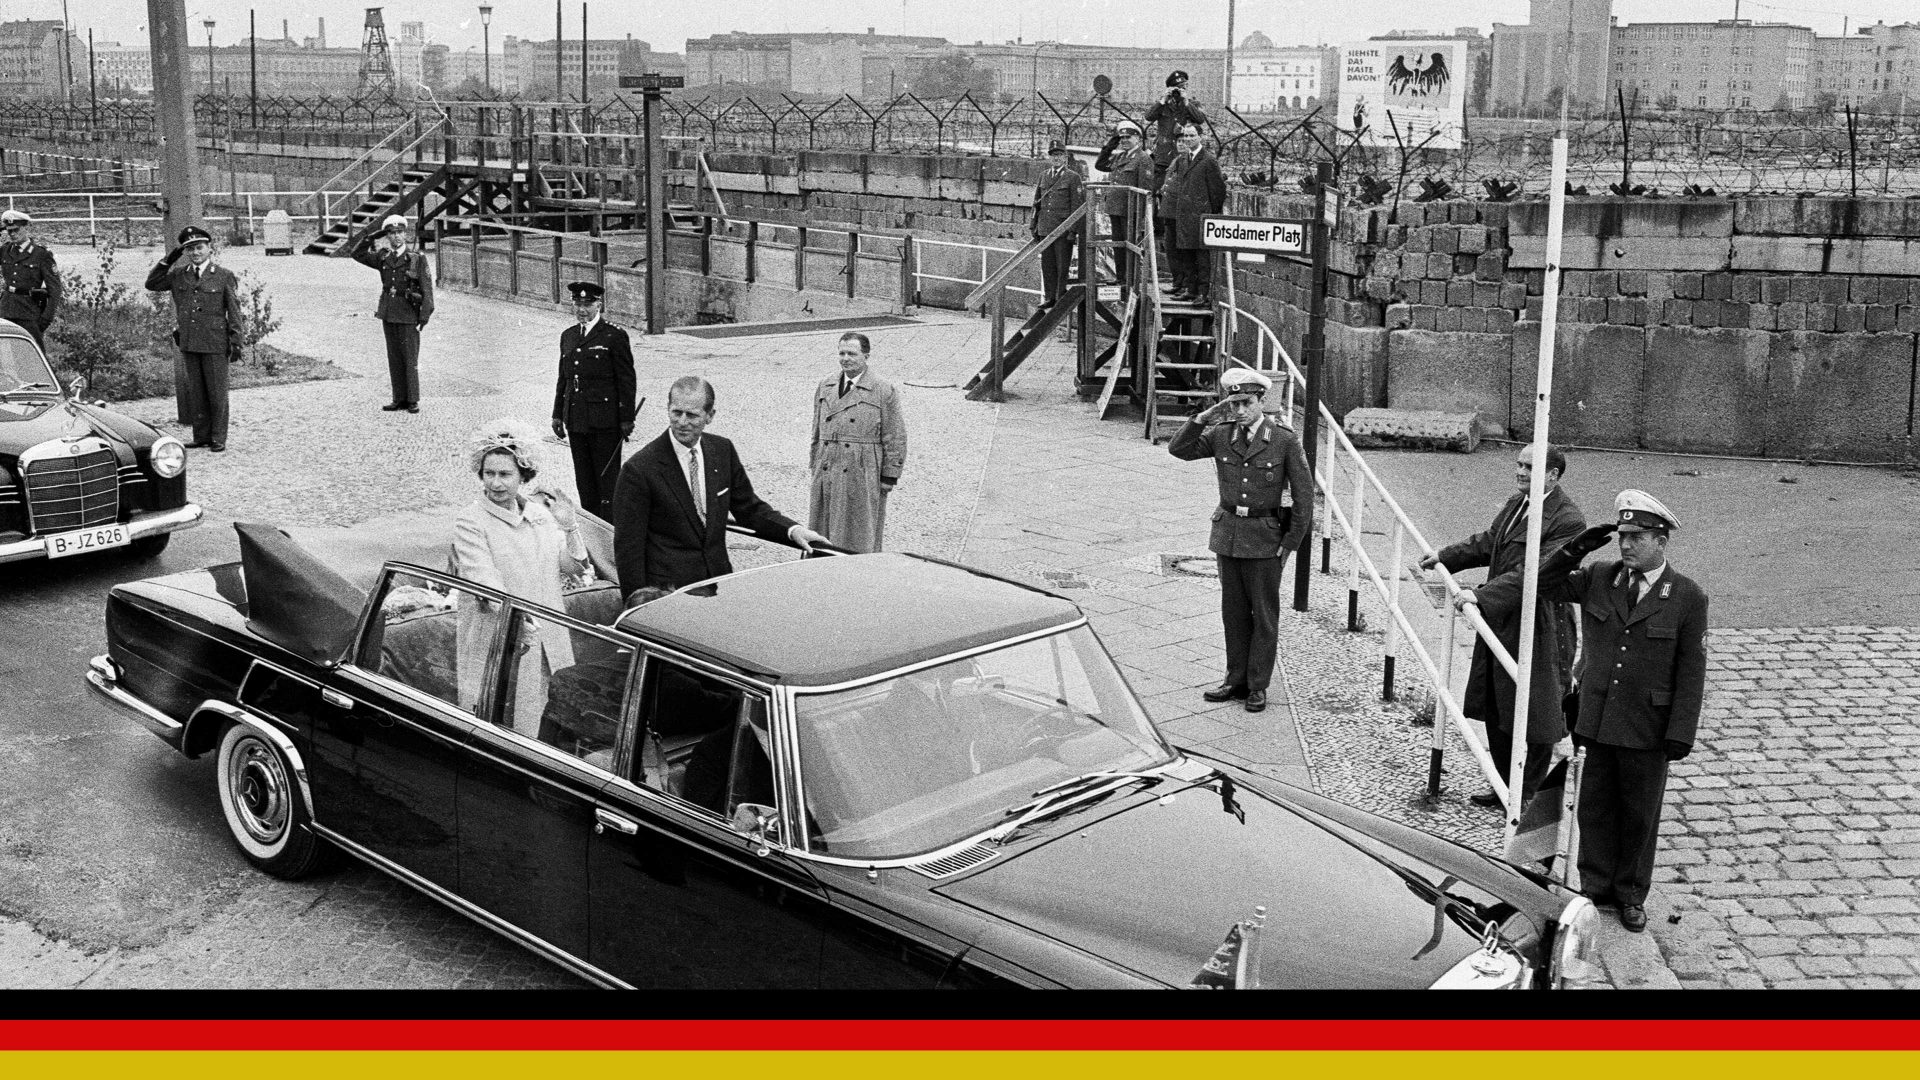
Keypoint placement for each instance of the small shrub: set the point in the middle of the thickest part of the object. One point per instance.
(101, 331)
(256, 306)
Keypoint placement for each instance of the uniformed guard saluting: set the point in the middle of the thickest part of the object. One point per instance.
(593, 402)
(32, 280)
(206, 308)
(1260, 465)
(1643, 674)
(406, 303)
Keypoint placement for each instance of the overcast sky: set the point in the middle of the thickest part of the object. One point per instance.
(1189, 23)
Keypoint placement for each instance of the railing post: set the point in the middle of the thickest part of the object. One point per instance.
(997, 341)
(800, 260)
(514, 241)
(554, 268)
(473, 254)
(853, 260)
(909, 297)
(753, 251)
(1359, 515)
(1436, 750)
(1392, 643)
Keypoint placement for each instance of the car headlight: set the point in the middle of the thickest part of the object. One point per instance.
(1573, 941)
(168, 457)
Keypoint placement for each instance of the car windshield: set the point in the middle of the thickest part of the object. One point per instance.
(916, 762)
(23, 369)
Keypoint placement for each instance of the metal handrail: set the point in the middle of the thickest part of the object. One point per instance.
(978, 297)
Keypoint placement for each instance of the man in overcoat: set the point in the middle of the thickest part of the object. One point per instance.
(1194, 188)
(210, 329)
(30, 277)
(1260, 465)
(1126, 163)
(859, 448)
(406, 304)
(593, 399)
(674, 495)
(1502, 549)
(1055, 197)
(1643, 673)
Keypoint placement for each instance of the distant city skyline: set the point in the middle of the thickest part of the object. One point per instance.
(1144, 23)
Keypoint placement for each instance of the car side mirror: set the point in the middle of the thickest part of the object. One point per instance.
(78, 386)
(759, 824)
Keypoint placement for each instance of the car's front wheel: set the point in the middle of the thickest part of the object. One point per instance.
(263, 806)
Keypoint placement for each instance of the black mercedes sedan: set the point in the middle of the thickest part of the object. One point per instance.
(76, 478)
(868, 771)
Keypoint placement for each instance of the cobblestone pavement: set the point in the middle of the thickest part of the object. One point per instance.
(1790, 848)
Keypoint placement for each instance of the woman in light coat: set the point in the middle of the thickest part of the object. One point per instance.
(520, 540)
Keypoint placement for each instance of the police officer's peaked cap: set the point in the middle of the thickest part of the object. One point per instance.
(15, 217)
(1641, 512)
(1245, 381)
(393, 222)
(1056, 147)
(585, 291)
(1126, 125)
(194, 234)
(1176, 78)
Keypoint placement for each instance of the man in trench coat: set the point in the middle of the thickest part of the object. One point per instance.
(1502, 549)
(859, 448)
(1194, 188)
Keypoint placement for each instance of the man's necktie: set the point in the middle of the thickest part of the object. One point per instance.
(1636, 588)
(846, 385)
(696, 483)
(1240, 438)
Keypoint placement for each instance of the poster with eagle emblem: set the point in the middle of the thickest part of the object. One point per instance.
(1404, 92)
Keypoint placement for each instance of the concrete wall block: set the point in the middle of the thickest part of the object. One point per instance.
(815, 180)
(1439, 266)
(1735, 314)
(1843, 396)
(1831, 289)
(1778, 254)
(1386, 264)
(1849, 318)
(1659, 285)
(1763, 316)
(1399, 316)
(1603, 283)
(1465, 265)
(1687, 286)
(1627, 311)
(1828, 216)
(1460, 293)
(1608, 217)
(1419, 241)
(1907, 318)
(1499, 321)
(1513, 296)
(1802, 289)
(1746, 288)
(904, 186)
(1821, 317)
(1706, 390)
(1445, 238)
(1625, 252)
(1494, 215)
(1533, 308)
(1452, 320)
(1472, 239)
(1490, 265)
(1706, 312)
(1002, 193)
(1790, 316)
(1864, 290)
(1426, 317)
(1381, 289)
(1677, 313)
(1450, 372)
(1774, 290)
(1631, 282)
(1573, 283)
(1412, 429)
(1597, 376)
(1485, 294)
(1880, 318)
(1461, 213)
(1717, 286)
(1433, 292)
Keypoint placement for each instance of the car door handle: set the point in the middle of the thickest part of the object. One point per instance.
(336, 699)
(607, 819)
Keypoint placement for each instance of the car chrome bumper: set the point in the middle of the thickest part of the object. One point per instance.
(151, 523)
(103, 675)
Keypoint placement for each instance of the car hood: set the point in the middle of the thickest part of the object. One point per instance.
(1156, 886)
(29, 423)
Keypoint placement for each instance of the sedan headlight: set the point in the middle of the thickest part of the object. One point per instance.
(168, 457)
(1573, 941)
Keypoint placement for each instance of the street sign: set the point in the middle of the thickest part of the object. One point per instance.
(652, 82)
(1264, 236)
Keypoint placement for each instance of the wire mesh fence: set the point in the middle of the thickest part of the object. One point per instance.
(1632, 150)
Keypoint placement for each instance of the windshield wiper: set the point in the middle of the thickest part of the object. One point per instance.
(1057, 797)
(39, 388)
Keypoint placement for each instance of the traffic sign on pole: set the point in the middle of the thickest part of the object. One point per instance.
(653, 82)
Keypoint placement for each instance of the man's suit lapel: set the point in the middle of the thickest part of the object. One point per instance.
(1659, 594)
(677, 477)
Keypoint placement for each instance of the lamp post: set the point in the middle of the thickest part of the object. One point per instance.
(208, 23)
(486, 46)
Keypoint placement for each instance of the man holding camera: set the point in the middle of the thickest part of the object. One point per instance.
(32, 280)
(1260, 464)
(210, 331)
(406, 303)
(1175, 111)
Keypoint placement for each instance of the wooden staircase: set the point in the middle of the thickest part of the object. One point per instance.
(1185, 365)
(1038, 328)
(394, 197)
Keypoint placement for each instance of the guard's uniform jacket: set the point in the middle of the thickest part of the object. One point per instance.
(32, 284)
(1253, 520)
(1054, 197)
(1644, 671)
(595, 391)
(399, 275)
(206, 306)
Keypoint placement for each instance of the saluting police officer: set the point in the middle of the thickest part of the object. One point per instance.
(1643, 675)
(1260, 465)
(32, 280)
(206, 308)
(406, 303)
(593, 402)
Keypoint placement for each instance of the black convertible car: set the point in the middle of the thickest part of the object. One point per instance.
(868, 771)
(77, 478)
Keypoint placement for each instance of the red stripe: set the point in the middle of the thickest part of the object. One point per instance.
(842, 1035)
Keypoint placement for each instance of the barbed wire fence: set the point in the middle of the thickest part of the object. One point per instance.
(1632, 150)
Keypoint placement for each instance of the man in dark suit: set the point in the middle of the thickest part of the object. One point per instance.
(206, 307)
(1502, 549)
(593, 402)
(1643, 676)
(1193, 188)
(671, 504)
(30, 277)
(1259, 461)
(1055, 197)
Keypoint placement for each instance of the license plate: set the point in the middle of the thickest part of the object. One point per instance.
(101, 538)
